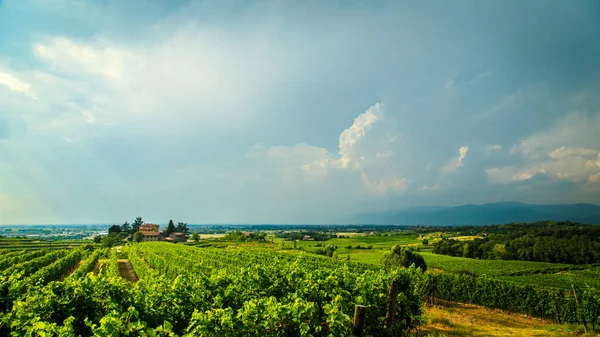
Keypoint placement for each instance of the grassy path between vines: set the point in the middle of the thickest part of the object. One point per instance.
(457, 319)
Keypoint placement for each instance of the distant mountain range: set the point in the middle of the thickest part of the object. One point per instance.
(485, 214)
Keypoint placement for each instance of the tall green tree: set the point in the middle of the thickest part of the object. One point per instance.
(403, 256)
(126, 227)
(135, 226)
(170, 228)
(114, 229)
(182, 228)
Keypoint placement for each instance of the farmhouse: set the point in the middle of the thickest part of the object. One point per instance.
(178, 237)
(150, 232)
(149, 227)
(151, 236)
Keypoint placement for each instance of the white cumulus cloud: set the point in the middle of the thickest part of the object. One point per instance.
(456, 162)
(568, 151)
(14, 84)
(352, 135)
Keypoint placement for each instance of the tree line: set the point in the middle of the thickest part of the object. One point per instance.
(556, 242)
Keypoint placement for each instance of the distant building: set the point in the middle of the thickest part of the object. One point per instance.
(177, 237)
(307, 238)
(150, 232)
(151, 236)
(149, 227)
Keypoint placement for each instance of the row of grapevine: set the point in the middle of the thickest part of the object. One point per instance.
(113, 264)
(17, 257)
(51, 272)
(88, 265)
(186, 291)
(14, 275)
(528, 299)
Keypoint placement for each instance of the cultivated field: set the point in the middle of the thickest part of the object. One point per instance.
(216, 288)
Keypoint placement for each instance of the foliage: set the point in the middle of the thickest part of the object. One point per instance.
(111, 240)
(126, 227)
(527, 299)
(186, 291)
(403, 256)
(195, 237)
(555, 242)
(327, 251)
(114, 229)
(135, 226)
(244, 236)
(138, 237)
(489, 268)
(182, 228)
(299, 235)
(170, 228)
(88, 265)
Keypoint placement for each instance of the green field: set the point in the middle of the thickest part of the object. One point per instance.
(483, 267)
(563, 279)
(538, 273)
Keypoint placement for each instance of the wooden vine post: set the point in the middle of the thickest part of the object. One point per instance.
(389, 317)
(360, 312)
(556, 312)
(580, 310)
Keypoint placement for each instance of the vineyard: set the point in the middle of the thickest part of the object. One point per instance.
(205, 292)
(179, 290)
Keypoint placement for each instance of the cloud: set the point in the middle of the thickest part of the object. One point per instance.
(575, 130)
(456, 162)
(592, 163)
(384, 185)
(363, 149)
(171, 99)
(434, 187)
(15, 84)
(352, 135)
(560, 152)
(77, 59)
(298, 154)
(481, 75)
(492, 148)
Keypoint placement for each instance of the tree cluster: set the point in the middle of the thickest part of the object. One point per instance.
(180, 228)
(328, 251)
(545, 242)
(403, 256)
(299, 235)
(242, 236)
(116, 233)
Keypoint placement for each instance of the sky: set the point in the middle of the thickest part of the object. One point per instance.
(293, 111)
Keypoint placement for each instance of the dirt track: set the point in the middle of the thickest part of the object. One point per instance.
(126, 270)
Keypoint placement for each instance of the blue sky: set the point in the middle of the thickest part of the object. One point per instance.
(293, 112)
